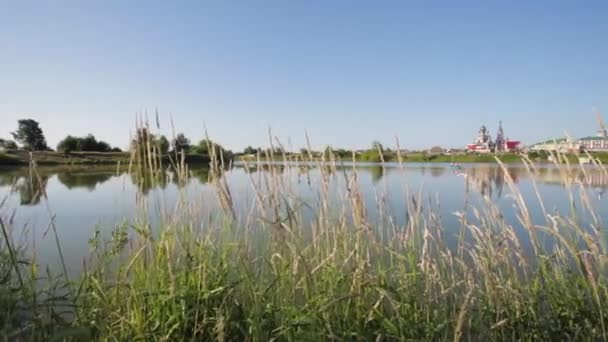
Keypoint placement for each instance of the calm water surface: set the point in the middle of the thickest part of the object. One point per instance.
(85, 200)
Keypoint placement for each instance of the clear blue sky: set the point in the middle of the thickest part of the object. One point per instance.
(347, 71)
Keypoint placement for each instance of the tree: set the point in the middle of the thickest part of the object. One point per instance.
(250, 150)
(163, 144)
(30, 135)
(181, 143)
(88, 144)
(377, 146)
(69, 144)
(203, 147)
(8, 145)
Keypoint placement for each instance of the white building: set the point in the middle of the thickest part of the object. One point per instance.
(561, 145)
(595, 143)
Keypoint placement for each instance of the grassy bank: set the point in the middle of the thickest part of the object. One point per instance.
(273, 274)
(82, 158)
(419, 157)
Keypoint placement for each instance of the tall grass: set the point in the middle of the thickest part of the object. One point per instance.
(294, 267)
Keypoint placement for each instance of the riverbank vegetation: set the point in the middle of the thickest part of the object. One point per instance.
(90, 150)
(74, 150)
(293, 267)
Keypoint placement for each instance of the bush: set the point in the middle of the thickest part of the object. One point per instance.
(371, 156)
(87, 144)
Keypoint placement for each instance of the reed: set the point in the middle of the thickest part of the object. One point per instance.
(314, 265)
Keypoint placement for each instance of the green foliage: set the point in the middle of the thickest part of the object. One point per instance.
(249, 150)
(599, 156)
(69, 144)
(163, 144)
(8, 144)
(87, 144)
(204, 147)
(181, 144)
(30, 135)
(371, 156)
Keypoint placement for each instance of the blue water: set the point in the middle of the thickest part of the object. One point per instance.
(81, 202)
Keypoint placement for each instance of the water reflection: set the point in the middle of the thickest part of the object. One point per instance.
(377, 172)
(109, 194)
(147, 181)
(200, 174)
(490, 180)
(88, 180)
(437, 171)
(30, 189)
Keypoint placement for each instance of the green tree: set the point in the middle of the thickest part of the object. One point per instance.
(181, 143)
(8, 144)
(30, 135)
(163, 144)
(88, 144)
(69, 144)
(342, 153)
(203, 147)
(250, 150)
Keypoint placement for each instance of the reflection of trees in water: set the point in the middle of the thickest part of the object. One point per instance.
(148, 180)
(31, 189)
(254, 167)
(377, 172)
(200, 174)
(437, 172)
(88, 181)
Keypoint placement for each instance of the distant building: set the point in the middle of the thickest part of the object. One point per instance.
(595, 143)
(598, 143)
(562, 145)
(484, 143)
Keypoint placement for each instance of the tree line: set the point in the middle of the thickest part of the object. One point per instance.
(179, 144)
(29, 136)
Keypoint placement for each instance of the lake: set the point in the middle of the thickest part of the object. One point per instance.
(83, 200)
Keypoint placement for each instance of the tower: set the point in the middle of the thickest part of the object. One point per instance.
(500, 138)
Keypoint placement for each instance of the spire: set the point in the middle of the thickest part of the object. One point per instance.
(500, 137)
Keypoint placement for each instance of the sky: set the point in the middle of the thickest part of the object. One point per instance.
(347, 72)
